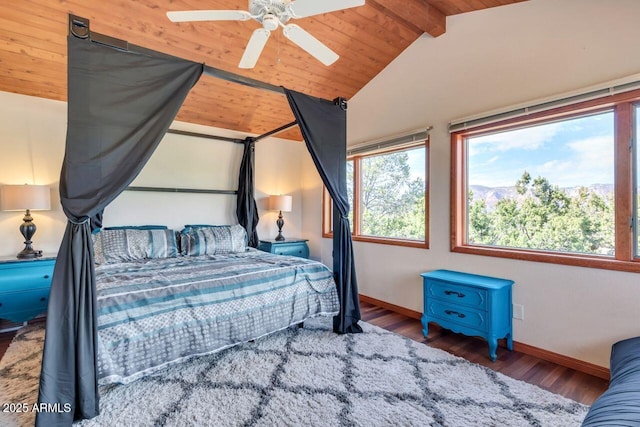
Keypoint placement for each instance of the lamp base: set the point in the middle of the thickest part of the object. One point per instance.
(28, 229)
(280, 224)
(29, 253)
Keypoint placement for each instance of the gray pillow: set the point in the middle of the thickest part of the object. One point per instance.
(130, 244)
(212, 240)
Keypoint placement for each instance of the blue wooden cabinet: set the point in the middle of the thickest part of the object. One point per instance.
(469, 304)
(291, 246)
(24, 287)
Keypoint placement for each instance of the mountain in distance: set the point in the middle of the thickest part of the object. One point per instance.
(491, 195)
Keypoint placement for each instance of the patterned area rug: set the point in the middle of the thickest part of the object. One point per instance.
(306, 377)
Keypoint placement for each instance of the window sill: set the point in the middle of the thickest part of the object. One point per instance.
(386, 241)
(578, 260)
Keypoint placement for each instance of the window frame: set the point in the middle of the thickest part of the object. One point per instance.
(623, 106)
(327, 204)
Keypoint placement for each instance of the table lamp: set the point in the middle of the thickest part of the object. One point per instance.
(29, 198)
(281, 204)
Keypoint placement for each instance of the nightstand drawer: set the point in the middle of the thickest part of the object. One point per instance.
(291, 247)
(295, 250)
(463, 316)
(458, 294)
(24, 287)
(22, 306)
(26, 275)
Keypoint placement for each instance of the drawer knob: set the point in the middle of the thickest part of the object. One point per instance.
(43, 299)
(451, 312)
(46, 276)
(460, 294)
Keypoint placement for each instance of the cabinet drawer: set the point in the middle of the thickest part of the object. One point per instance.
(22, 306)
(463, 316)
(295, 250)
(457, 294)
(26, 275)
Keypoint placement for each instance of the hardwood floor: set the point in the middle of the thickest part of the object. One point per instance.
(550, 376)
(570, 383)
(6, 337)
(5, 340)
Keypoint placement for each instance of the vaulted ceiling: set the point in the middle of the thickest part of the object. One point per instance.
(33, 52)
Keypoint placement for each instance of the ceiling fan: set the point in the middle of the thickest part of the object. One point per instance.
(273, 14)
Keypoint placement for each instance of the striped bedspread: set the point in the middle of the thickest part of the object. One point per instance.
(155, 313)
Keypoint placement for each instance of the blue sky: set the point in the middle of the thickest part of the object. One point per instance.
(416, 163)
(568, 153)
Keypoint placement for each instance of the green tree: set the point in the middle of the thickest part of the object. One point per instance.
(392, 202)
(480, 222)
(545, 217)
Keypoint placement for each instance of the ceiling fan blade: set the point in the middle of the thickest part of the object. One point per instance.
(304, 8)
(209, 15)
(254, 48)
(312, 45)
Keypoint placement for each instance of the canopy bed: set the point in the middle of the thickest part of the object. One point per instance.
(121, 101)
(161, 302)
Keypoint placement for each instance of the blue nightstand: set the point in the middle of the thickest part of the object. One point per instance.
(291, 246)
(469, 304)
(24, 287)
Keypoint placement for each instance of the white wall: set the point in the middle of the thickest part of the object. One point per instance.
(32, 135)
(487, 60)
(32, 139)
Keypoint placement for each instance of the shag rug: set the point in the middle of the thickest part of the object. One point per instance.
(305, 377)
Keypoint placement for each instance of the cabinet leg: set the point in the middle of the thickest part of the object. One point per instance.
(425, 326)
(510, 342)
(493, 347)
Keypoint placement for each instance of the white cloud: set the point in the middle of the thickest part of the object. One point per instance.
(590, 162)
(530, 138)
(594, 160)
(553, 167)
(545, 151)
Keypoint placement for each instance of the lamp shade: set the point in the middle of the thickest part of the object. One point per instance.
(280, 203)
(22, 197)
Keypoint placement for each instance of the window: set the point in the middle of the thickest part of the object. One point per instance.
(636, 199)
(388, 196)
(553, 187)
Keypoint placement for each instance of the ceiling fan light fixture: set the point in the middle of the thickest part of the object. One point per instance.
(270, 22)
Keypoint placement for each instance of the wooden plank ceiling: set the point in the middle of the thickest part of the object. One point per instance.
(33, 52)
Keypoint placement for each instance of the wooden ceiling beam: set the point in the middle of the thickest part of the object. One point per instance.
(416, 14)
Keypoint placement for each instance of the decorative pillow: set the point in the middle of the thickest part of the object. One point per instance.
(212, 240)
(132, 244)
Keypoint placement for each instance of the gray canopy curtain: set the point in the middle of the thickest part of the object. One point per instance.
(120, 105)
(323, 125)
(246, 208)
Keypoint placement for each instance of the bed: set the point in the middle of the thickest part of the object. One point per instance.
(159, 305)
